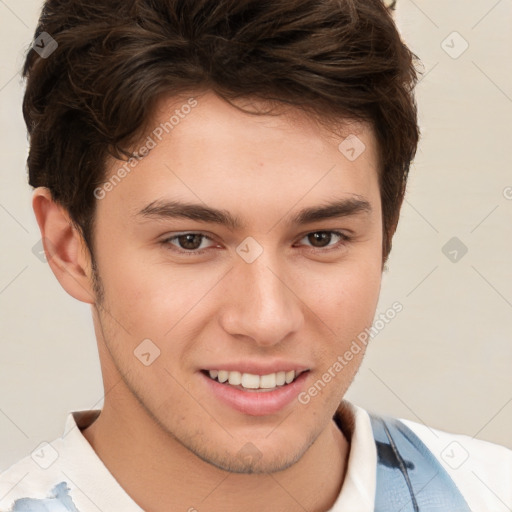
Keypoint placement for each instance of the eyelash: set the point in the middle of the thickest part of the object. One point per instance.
(344, 238)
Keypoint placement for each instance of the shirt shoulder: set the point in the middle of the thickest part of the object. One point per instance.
(65, 475)
(36, 482)
(480, 469)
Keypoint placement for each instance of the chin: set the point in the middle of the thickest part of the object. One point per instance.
(265, 454)
(250, 460)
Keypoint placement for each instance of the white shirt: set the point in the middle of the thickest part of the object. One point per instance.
(482, 471)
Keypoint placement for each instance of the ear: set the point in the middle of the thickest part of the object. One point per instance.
(65, 249)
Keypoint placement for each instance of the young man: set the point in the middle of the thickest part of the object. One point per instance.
(221, 181)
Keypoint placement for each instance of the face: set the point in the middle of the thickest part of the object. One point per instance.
(243, 248)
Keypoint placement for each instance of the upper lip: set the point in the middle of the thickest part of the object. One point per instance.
(255, 368)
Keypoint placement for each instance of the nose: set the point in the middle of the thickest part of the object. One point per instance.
(260, 304)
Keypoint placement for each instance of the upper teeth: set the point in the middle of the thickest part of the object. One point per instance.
(251, 381)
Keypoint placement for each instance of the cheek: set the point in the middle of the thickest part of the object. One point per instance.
(344, 303)
(344, 297)
(153, 299)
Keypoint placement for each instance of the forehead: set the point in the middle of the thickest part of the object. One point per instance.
(202, 148)
(208, 118)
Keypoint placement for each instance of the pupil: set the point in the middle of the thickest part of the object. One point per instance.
(320, 237)
(187, 241)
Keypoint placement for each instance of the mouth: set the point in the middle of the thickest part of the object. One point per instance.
(255, 394)
(253, 382)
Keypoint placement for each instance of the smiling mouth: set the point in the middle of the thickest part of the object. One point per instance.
(252, 382)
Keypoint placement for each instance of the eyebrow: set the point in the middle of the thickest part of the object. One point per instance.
(165, 209)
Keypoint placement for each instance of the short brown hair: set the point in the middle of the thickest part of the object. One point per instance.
(336, 59)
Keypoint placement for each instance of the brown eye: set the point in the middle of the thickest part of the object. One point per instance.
(323, 240)
(190, 241)
(320, 238)
(187, 243)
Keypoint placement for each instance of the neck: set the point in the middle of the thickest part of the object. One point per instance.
(160, 474)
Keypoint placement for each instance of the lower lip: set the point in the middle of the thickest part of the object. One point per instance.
(256, 403)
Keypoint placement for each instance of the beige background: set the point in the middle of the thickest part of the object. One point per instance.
(444, 360)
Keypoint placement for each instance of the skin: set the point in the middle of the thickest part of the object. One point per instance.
(167, 440)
